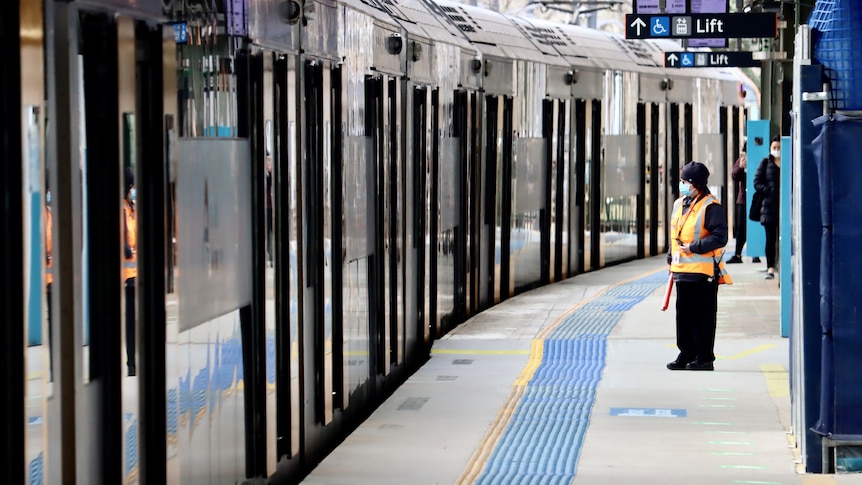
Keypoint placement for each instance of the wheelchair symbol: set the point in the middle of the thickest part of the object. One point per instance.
(687, 60)
(661, 27)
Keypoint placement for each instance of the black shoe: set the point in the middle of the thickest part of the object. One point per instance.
(734, 259)
(755, 259)
(676, 365)
(699, 366)
(132, 371)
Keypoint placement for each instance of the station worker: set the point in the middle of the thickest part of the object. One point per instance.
(698, 232)
(130, 265)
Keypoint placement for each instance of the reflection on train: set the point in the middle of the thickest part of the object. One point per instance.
(261, 214)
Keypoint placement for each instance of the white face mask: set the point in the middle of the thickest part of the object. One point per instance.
(775, 153)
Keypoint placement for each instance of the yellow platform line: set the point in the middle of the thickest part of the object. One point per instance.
(483, 451)
(777, 380)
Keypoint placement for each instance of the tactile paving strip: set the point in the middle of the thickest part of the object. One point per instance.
(542, 440)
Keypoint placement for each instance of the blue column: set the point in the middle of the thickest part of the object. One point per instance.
(757, 145)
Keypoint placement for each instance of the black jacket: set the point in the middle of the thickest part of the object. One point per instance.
(767, 180)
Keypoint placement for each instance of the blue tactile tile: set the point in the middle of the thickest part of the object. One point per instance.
(542, 441)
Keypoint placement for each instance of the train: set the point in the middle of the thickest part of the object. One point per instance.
(324, 188)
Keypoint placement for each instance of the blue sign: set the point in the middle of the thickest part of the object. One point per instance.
(660, 27)
(649, 412)
(181, 33)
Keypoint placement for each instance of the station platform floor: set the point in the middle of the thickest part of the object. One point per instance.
(567, 384)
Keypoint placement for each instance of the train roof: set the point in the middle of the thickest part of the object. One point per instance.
(495, 34)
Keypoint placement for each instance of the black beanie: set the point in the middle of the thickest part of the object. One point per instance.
(696, 173)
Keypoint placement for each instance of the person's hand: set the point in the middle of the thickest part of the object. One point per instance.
(743, 161)
(685, 248)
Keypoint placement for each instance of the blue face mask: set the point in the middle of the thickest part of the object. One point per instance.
(685, 189)
(132, 194)
(48, 197)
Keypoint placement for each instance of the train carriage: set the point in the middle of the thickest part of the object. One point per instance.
(324, 188)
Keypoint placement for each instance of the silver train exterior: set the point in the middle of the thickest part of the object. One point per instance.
(324, 189)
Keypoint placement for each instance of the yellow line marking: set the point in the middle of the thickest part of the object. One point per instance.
(817, 479)
(483, 451)
(745, 353)
(479, 352)
(777, 380)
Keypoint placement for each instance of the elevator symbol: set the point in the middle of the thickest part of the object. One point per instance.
(681, 26)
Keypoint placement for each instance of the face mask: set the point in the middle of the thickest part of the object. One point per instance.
(775, 153)
(48, 197)
(132, 195)
(684, 189)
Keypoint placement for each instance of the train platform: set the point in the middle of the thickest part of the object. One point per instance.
(567, 384)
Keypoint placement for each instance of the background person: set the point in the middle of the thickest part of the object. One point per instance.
(767, 180)
(739, 215)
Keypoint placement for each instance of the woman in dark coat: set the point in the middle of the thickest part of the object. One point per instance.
(767, 181)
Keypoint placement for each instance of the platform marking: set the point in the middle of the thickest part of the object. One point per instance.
(479, 352)
(757, 482)
(483, 453)
(777, 380)
(649, 412)
(740, 355)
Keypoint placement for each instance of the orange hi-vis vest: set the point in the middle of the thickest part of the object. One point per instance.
(688, 228)
(130, 266)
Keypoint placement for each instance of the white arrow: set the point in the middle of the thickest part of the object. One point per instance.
(672, 59)
(638, 24)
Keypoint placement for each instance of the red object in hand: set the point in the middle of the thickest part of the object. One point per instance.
(667, 291)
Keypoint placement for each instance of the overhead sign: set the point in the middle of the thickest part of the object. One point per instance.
(710, 59)
(702, 26)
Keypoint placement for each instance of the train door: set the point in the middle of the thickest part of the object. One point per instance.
(579, 185)
(283, 241)
(317, 322)
(472, 201)
(498, 194)
(643, 217)
(385, 311)
(107, 144)
(558, 133)
(655, 184)
(675, 142)
(660, 158)
(272, 377)
(418, 272)
(592, 181)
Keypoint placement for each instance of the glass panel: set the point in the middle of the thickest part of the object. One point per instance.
(326, 253)
(662, 176)
(38, 282)
(293, 241)
(588, 203)
(648, 143)
(272, 99)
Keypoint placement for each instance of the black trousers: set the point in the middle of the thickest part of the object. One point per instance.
(130, 325)
(771, 229)
(696, 306)
(740, 220)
